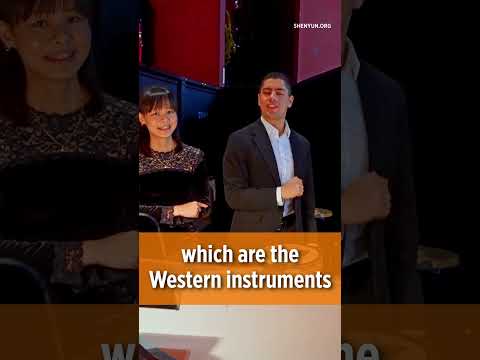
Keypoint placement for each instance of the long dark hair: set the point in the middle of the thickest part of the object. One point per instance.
(150, 99)
(13, 86)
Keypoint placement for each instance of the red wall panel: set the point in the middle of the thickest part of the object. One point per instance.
(189, 38)
(319, 50)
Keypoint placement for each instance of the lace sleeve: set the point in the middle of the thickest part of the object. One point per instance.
(57, 262)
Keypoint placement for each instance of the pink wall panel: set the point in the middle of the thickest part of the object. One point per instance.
(319, 50)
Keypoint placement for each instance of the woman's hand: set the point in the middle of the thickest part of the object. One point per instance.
(119, 251)
(189, 210)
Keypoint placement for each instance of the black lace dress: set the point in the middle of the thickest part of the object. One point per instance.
(65, 179)
(174, 178)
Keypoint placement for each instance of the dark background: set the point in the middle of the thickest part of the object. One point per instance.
(422, 47)
(115, 46)
(265, 41)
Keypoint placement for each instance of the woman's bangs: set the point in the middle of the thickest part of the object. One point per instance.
(28, 8)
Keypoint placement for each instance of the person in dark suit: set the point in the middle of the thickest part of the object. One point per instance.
(267, 168)
(378, 211)
(379, 222)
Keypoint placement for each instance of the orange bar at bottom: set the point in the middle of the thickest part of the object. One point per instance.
(240, 268)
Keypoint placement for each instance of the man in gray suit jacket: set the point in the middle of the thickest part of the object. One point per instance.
(380, 228)
(267, 168)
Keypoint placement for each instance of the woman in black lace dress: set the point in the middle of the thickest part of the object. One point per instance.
(50, 107)
(173, 176)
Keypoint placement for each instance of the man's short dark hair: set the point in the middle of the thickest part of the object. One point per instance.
(277, 75)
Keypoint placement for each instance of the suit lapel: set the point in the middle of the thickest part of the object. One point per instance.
(378, 159)
(297, 169)
(296, 154)
(263, 143)
(372, 115)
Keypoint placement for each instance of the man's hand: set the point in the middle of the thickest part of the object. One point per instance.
(366, 199)
(292, 189)
(189, 210)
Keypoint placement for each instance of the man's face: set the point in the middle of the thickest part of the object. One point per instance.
(274, 100)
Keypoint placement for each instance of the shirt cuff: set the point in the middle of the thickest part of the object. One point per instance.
(279, 196)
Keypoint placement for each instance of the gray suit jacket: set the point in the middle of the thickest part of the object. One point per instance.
(251, 176)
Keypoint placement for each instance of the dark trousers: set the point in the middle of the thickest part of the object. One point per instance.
(357, 283)
(288, 224)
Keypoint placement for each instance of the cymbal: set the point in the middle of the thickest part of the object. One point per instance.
(323, 213)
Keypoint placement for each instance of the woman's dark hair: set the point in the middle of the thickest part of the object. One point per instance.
(13, 86)
(153, 98)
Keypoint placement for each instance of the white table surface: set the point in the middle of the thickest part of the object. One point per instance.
(245, 332)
